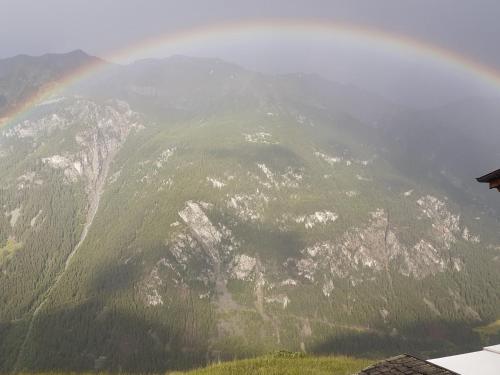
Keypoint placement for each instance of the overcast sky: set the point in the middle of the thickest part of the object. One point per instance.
(469, 27)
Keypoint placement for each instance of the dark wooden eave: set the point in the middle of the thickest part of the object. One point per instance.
(406, 365)
(492, 178)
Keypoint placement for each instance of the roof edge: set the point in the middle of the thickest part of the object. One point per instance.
(402, 356)
(488, 177)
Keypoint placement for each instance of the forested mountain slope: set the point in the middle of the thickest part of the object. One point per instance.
(173, 212)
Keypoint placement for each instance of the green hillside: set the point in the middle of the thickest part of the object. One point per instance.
(177, 212)
(276, 365)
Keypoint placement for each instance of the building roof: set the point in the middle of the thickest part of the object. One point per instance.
(406, 365)
(492, 178)
(485, 362)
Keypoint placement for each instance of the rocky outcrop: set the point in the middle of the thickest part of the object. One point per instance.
(374, 248)
(202, 228)
(445, 225)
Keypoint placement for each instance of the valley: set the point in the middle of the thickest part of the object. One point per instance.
(172, 213)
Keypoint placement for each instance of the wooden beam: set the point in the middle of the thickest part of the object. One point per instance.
(495, 183)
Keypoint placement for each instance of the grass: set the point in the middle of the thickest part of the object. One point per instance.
(293, 364)
(281, 363)
(490, 329)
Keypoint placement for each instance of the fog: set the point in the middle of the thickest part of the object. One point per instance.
(101, 27)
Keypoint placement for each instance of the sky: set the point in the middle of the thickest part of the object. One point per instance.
(99, 27)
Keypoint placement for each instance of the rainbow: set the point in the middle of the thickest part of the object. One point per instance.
(314, 29)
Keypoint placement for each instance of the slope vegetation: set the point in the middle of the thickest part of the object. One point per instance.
(173, 213)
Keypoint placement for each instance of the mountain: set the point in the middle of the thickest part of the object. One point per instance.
(23, 76)
(174, 212)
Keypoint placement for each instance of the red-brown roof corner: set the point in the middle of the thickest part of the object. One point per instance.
(492, 178)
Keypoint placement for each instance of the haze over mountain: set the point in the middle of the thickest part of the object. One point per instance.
(171, 212)
(468, 29)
